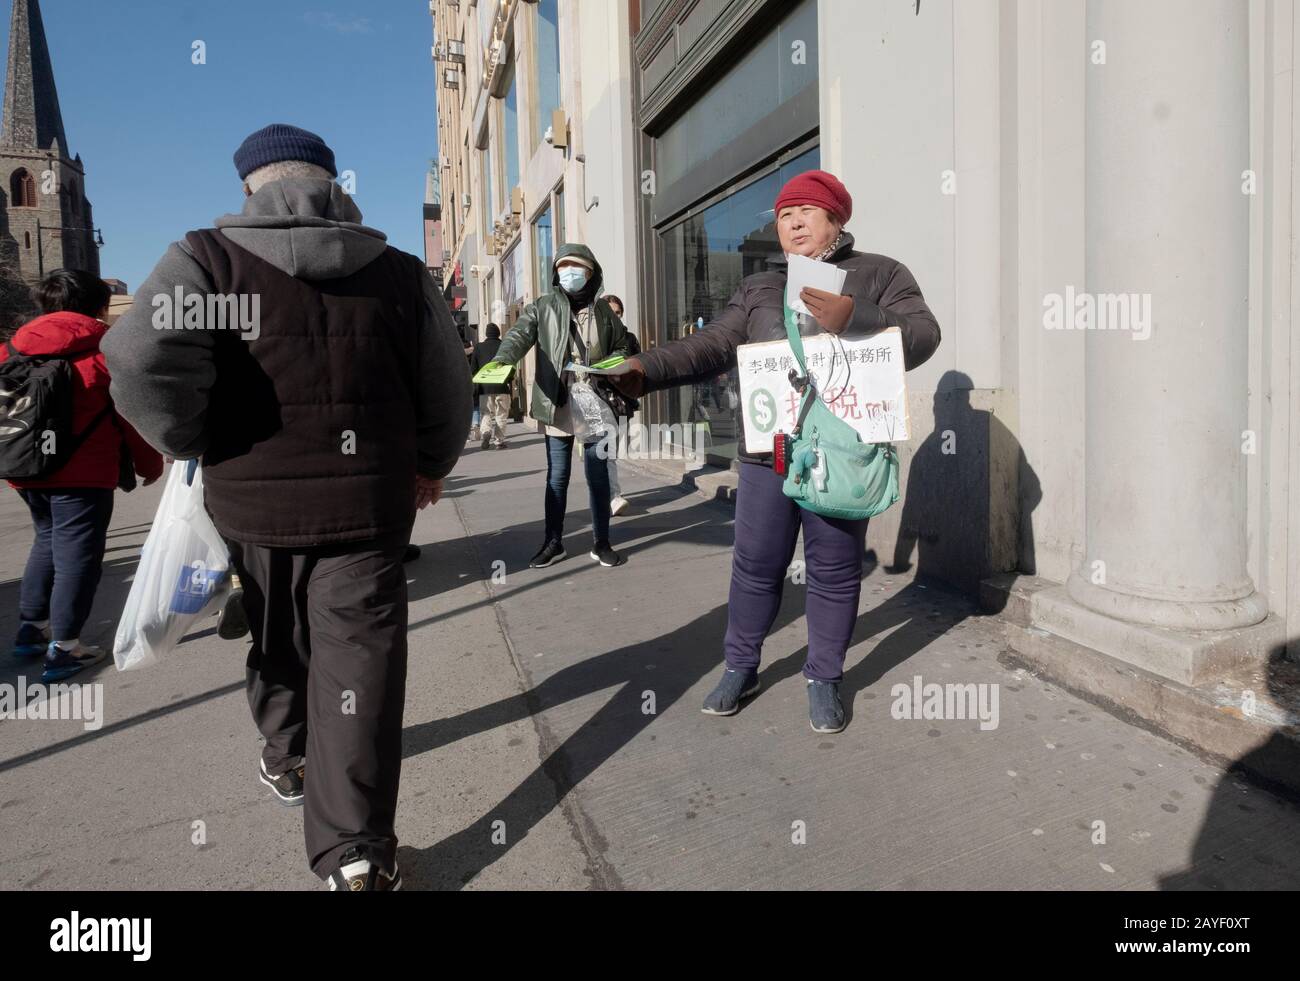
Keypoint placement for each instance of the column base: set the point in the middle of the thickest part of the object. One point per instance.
(1189, 657)
(1245, 610)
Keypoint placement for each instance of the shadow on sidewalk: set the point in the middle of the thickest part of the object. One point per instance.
(704, 523)
(683, 657)
(1228, 854)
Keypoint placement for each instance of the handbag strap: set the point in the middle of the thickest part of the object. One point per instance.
(810, 390)
(796, 341)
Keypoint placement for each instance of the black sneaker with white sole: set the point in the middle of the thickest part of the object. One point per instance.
(606, 556)
(287, 787)
(551, 553)
(356, 873)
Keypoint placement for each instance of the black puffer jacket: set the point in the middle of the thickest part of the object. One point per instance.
(884, 294)
(484, 353)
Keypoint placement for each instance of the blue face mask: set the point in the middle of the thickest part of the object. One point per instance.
(573, 278)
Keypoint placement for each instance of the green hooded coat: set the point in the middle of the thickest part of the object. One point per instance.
(545, 323)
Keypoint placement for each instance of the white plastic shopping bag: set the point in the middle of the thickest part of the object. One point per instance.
(184, 573)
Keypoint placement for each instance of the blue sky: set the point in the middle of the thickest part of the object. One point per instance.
(157, 133)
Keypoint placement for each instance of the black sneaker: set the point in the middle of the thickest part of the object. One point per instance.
(232, 622)
(734, 686)
(487, 439)
(606, 556)
(551, 553)
(825, 712)
(411, 554)
(288, 786)
(356, 873)
(60, 664)
(32, 641)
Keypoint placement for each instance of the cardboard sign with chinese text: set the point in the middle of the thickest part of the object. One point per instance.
(861, 380)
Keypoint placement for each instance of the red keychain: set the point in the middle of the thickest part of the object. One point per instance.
(781, 454)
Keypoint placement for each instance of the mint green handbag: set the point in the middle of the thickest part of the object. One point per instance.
(831, 471)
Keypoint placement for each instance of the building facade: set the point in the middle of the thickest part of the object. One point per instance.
(535, 145)
(1099, 199)
(46, 221)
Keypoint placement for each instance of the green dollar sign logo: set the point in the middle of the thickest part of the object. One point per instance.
(762, 409)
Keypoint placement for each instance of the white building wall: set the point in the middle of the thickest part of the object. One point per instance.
(994, 91)
(604, 59)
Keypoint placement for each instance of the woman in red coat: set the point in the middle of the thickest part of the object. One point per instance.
(71, 508)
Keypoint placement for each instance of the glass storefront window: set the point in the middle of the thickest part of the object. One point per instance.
(543, 252)
(706, 255)
(510, 132)
(765, 79)
(512, 274)
(487, 207)
(547, 62)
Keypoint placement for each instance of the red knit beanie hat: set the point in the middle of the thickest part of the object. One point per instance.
(818, 188)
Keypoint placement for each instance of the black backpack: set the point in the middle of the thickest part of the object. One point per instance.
(36, 437)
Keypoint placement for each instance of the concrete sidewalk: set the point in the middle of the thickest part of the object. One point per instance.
(554, 738)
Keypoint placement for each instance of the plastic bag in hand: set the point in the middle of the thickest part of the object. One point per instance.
(590, 414)
(184, 573)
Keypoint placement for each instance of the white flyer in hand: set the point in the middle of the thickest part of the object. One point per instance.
(862, 381)
(809, 272)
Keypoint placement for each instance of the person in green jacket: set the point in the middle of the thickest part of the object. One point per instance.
(571, 324)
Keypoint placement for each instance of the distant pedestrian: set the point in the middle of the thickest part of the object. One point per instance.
(618, 503)
(321, 431)
(494, 400)
(71, 506)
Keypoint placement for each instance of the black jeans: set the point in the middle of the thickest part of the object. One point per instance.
(559, 464)
(326, 683)
(67, 557)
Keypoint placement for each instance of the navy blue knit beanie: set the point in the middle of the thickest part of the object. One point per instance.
(279, 142)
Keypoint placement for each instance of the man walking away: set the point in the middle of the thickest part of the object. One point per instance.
(494, 400)
(323, 426)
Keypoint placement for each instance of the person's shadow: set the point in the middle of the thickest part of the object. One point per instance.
(1240, 844)
(970, 497)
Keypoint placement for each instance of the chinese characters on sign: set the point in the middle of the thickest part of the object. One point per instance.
(862, 381)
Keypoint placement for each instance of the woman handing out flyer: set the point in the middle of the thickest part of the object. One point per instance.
(879, 292)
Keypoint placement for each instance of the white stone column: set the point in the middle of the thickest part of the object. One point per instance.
(1167, 141)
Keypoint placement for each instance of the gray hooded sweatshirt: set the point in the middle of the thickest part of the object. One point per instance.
(312, 230)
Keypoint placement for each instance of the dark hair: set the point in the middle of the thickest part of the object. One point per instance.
(74, 290)
(611, 298)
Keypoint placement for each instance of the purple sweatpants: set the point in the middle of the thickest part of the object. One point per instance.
(767, 529)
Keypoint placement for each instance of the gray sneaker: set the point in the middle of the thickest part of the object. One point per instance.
(825, 713)
(733, 687)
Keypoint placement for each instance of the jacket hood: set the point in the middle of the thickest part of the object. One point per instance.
(60, 333)
(307, 228)
(595, 285)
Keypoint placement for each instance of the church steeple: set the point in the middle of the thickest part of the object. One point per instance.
(32, 118)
